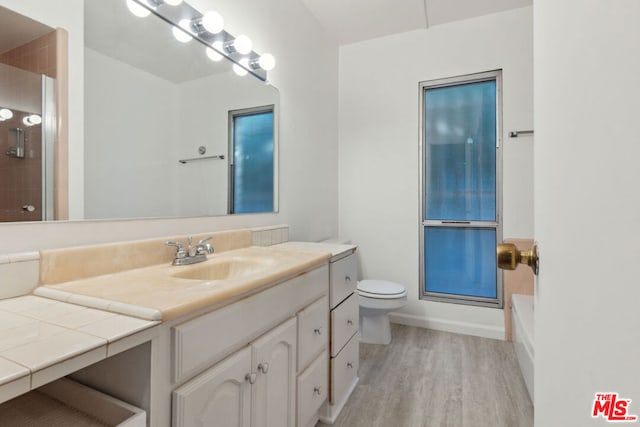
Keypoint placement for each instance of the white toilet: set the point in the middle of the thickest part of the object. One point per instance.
(377, 298)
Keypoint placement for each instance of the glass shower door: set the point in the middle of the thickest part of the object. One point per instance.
(27, 130)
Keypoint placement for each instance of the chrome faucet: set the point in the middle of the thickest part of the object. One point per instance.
(193, 253)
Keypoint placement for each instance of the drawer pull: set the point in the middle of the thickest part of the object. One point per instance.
(349, 365)
(263, 367)
(317, 390)
(251, 377)
(349, 322)
(317, 331)
(347, 279)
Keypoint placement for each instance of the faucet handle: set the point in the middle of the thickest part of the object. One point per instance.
(204, 247)
(180, 253)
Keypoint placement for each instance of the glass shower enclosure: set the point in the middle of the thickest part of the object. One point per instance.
(27, 139)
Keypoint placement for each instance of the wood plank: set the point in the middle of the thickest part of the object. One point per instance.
(433, 378)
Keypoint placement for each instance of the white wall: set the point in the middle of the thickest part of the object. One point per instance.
(587, 207)
(130, 134)
(306, 75)
(379, 142)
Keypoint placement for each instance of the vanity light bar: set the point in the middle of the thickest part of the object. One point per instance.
(174, 14)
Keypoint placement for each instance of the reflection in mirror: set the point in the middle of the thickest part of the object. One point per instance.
(28, 68)
(151, 101)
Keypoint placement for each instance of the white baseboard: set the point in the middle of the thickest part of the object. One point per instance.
(486, 331)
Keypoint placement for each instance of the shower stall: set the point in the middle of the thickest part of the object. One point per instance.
(27, 142)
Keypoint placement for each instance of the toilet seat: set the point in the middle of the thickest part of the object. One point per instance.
(381, 289)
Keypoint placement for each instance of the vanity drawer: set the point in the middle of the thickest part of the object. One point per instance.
(343, 276)
(312, 389)
(313, 331)
(344, 323)
(199, 343)
(344, 370)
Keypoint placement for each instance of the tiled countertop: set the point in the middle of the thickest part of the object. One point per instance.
(42, 340)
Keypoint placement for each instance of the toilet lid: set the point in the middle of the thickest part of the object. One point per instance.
(381, 289)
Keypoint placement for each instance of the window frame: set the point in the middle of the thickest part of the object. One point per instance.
(269, 108)
(498, 302)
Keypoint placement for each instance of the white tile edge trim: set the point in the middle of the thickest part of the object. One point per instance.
(485, 331)
(145, 313)
(19, 257)
(55, 294)
(138, 311)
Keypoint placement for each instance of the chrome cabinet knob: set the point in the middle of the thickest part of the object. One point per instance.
(347, 279)
(317, 390)
(263, 367)
(349, 322)
(349, 365)
(317, 331)
(251, 377)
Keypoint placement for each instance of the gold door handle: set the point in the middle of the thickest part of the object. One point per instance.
(509, 257)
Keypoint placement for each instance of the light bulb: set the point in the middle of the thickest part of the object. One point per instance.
(137, 10)
(213, 54)
(239, 70)
(5, 114)
(180, 34)
(212, 22)
(32, 120)
(242, 44)
(267, 62)
(173, 2)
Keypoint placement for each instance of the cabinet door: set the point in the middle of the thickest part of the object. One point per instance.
(273, 393)
(221, 396)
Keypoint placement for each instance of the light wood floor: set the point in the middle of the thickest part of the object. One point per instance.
(430, 378)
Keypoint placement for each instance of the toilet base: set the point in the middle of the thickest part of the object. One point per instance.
(375, 329)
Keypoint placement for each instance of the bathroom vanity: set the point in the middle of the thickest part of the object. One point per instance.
(242, 337)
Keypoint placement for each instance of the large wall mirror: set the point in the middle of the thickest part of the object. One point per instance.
(168, 131)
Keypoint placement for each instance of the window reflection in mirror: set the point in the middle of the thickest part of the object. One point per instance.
(251, 168)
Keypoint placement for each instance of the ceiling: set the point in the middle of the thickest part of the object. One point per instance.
(350, 21)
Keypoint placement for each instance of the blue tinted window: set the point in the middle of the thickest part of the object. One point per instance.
(253, 163)
(461, 261)
(460, 149)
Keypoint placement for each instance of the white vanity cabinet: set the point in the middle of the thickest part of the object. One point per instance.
(221, 394)
(254, 387)
(344, 333)
(259, 362)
